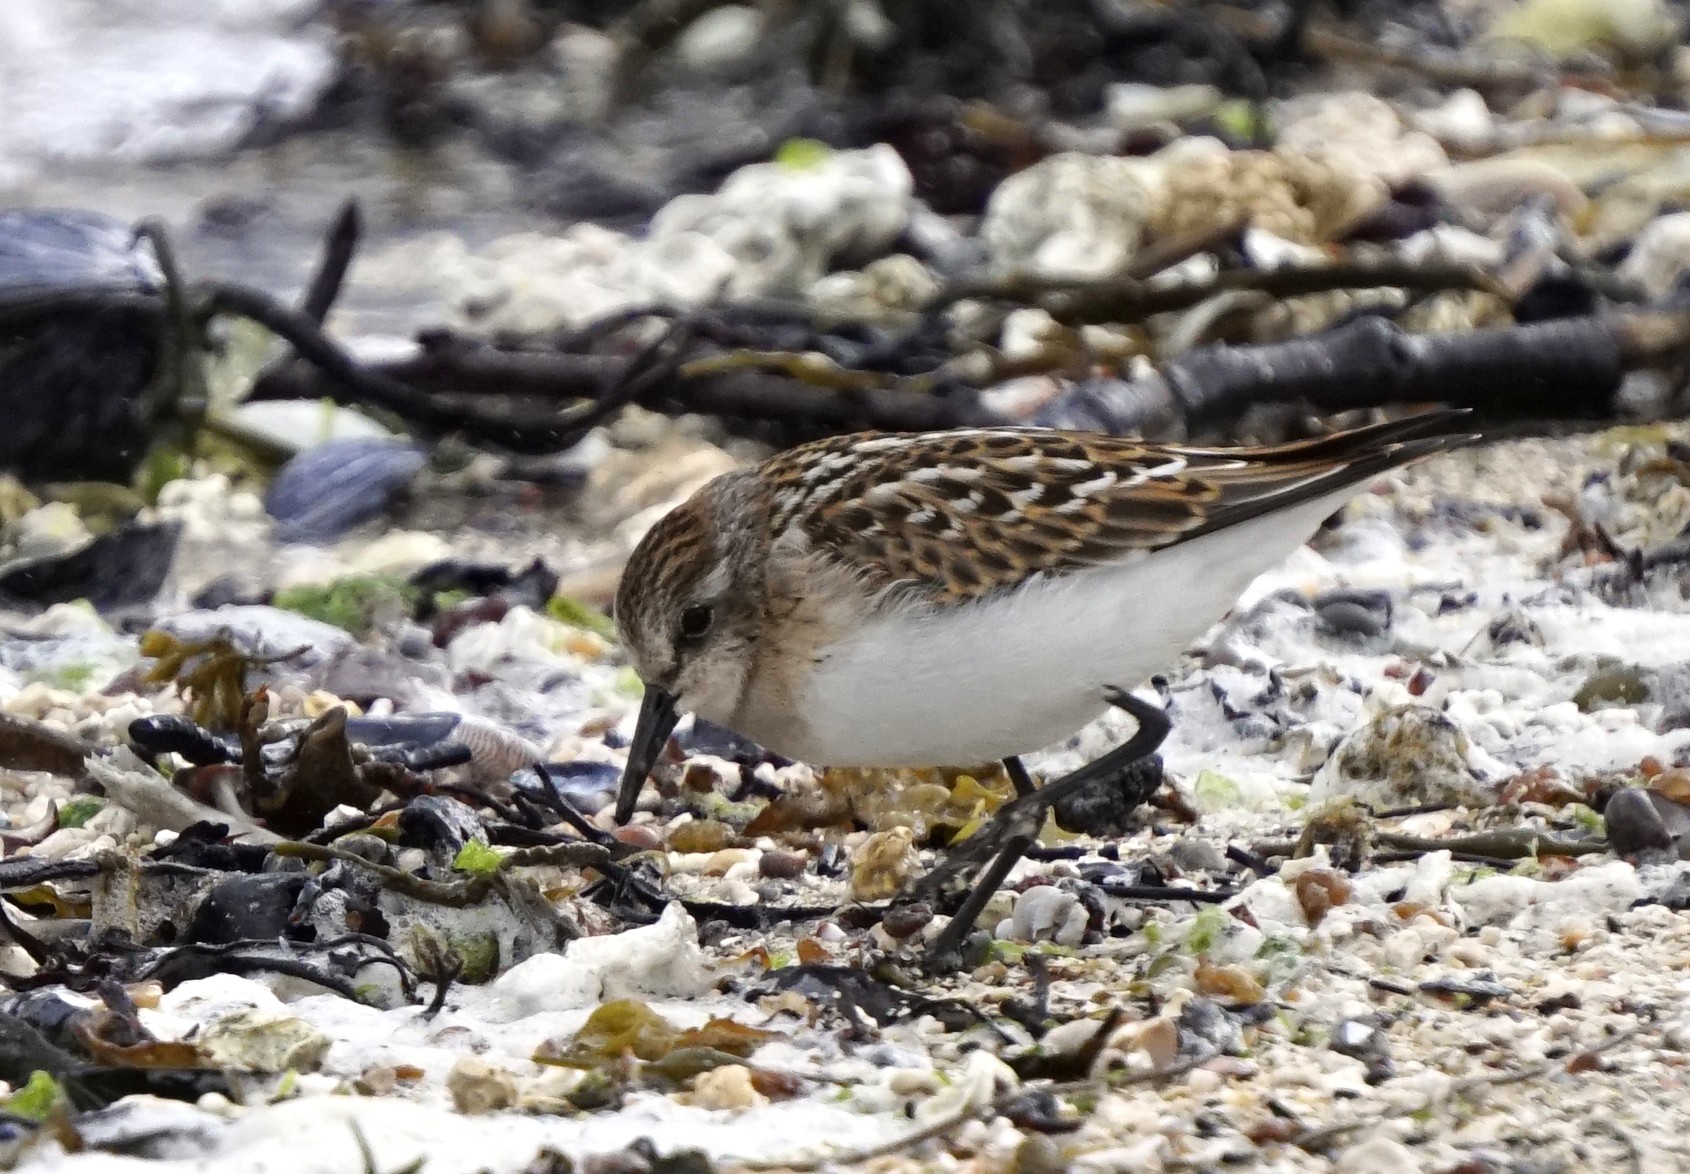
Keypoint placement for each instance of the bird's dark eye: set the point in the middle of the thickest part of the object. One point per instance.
(696, 621)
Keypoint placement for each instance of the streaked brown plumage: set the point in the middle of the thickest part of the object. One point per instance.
(943, 598)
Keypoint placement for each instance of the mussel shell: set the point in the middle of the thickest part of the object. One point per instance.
(70, 249)
(327, 490)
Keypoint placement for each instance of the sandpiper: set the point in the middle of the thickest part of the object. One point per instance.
(947, 598)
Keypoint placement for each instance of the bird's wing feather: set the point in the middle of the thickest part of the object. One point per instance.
(958, 515)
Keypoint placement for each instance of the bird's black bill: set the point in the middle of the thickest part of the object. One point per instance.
(658, 715)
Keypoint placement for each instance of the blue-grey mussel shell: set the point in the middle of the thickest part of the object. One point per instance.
(69, 249)
(325, 491)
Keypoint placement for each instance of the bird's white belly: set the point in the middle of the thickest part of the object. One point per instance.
(925, 686)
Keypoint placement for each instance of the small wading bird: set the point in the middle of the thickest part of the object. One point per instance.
(946, 598)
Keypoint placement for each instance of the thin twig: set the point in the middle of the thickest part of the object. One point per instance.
(1129, 299)
(177, 384)
(338, 247)
(518, 431)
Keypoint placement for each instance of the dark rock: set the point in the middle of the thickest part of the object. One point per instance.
(844, 988)
(125, 567)
(1193, 855)
(47, 1011)
(439, 824)
(1676, 896)
(232, 588)
(706, 737)
(1638, 820)
(1621, 685)
(1207, 1028)
(1348, 612)
(82, 319)
(409, 729)
(901, 921)
(1513, 627)
(1365, 1042)
(1105, 809)
(242, 908)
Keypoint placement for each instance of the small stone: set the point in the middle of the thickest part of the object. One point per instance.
(782, 865)
(1038, 1153)
(1376, 1154)
(1133, 105)
(905, 920)
(1318, 890)
(1193, 855)
(1072, 215)
(1232, 983)
(480, 1087)
(261, 1040)
(702, 835)
(378, 1080)
(1616, 685)
(1634, 824)
(722, 40)
(640, 835)
(1405, 757)
(727, 1087)
(1660, 255)
(1046, 913)
(1351, 613)
(884, 863)
(1365, 1042)
(1157, 1038)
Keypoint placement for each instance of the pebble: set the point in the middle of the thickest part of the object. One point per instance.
(480, 1086)
(727, 1087)
(1635, 821)
(1405, 757)
(1660, 255)
(1072, 215)
(1046, 913)
(258, 1040)
(1378, 1154)
(883, 864)
(782, 865)
(1133, 105)
(722, 40)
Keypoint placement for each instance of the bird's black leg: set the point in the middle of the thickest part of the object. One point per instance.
(1018, 776)
(1006, 838)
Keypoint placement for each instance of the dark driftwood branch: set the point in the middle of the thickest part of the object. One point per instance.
(461, 366)
(1559, 369)
(1569, 367)
(745, 396)
(1129, 299)
(515, 429)
(1451, 68)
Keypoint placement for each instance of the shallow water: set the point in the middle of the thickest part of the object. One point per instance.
(141, 110)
